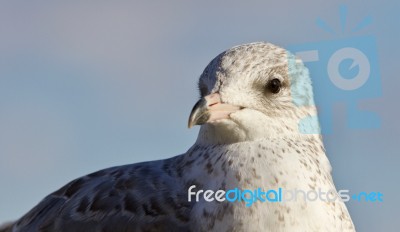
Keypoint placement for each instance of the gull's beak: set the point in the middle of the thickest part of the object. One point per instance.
(209, 109)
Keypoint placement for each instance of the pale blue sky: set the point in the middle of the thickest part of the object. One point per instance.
(84, 86)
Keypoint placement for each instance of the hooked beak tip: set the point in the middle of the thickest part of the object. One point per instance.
(199, 114)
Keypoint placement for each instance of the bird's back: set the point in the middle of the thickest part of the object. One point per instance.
(138, 197)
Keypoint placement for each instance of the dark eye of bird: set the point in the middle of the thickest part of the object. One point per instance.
(274, 85)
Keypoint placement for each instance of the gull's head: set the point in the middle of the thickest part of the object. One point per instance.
(253, 91)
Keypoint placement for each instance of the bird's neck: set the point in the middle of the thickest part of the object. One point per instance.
(257, 163)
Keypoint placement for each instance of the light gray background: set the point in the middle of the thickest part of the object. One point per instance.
(84, 86)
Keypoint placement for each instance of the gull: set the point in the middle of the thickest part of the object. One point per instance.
(253, 101)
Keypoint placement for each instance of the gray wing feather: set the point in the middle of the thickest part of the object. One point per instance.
(139, 197)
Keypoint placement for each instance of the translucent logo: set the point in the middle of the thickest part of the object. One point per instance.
(342, 71)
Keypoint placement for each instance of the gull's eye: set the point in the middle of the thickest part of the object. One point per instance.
(274, 85)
